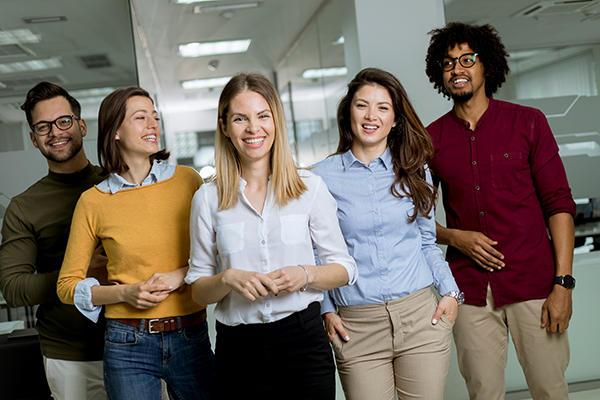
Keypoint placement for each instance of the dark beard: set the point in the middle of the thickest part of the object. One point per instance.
(75, 149)
(462, 97)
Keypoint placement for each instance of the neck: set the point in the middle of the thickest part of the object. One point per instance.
(139, 169)
(75, 164)
(256, 173)
(366, 154)
(472, 110)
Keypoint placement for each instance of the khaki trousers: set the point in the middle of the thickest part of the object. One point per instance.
(481, 338)
(394, 346)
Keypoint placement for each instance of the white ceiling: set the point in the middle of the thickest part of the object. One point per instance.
(99, 27)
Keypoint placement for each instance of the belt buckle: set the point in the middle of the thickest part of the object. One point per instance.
(150, 325)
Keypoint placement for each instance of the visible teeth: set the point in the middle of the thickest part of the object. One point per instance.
(149, 137)
(369, 126)
(58, 143)
(460, 80)
(254, 141)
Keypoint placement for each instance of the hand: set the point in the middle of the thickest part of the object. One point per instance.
(479, 248)
(97, 268)
(557, 310)
(143, 295)
(289, 279)
(448, 306)
(174, 279)
(334, 326)
(251, 285)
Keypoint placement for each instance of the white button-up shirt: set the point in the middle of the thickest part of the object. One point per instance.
(242, 238)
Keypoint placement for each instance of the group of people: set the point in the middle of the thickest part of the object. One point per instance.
(343, 252)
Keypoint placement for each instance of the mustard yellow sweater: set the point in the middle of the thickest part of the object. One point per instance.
(144, 230)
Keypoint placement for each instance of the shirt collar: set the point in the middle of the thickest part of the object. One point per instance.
(481, 121)
(348, 159)
(116, 182)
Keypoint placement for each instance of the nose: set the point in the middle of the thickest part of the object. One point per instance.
(370, 115)
(253, 126)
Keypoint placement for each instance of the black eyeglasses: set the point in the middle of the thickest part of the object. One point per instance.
(63, 123)
(467, 60)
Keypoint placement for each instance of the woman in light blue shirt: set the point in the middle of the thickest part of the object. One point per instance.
(388, 330)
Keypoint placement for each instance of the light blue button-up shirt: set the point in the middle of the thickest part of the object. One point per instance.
(394, 257)
(115, 182)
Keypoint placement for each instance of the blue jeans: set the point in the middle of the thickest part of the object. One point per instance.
(135, 361)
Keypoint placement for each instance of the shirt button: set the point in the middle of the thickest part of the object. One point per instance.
(268, 305)
(472, 137)
(476, 187)
(262, 242)
(379, 233)
(384, 279)
(382, 257)
(474, 162)
(261, 221)
(466, 123)
(264, 263)
(481, 213)
(372, 193)
(505, 155)
(376, 212)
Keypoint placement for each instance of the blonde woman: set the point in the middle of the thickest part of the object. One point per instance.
(260, 218)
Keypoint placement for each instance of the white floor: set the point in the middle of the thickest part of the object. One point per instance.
(585, 395)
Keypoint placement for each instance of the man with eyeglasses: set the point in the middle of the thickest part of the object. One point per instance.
(34, 237)
(504, 186)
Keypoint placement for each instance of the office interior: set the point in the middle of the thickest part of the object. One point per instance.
(310, 49)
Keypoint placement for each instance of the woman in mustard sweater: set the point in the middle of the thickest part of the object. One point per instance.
(140, 214)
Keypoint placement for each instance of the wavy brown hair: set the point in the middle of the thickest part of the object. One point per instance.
(484, 41)
(110, 117)
(409, 143)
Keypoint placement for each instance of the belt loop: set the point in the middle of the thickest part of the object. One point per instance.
(141, 327)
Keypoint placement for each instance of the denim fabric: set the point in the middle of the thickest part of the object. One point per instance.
(288, 359)
(135, 361)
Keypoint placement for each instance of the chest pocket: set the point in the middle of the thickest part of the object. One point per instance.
(294, 229)
(230, 238)
(506, 170)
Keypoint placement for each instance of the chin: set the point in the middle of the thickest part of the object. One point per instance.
(462, 97)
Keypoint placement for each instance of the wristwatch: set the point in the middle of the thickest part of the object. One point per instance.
(458, 296)
(566, 281)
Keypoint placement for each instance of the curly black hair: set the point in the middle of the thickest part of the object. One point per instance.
(483, 39)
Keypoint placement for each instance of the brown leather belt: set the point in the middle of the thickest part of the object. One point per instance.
(166, 324)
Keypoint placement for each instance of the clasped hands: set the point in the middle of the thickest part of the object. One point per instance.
(253, 285)
(148, 294)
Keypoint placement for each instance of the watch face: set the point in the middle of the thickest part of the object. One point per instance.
(569, 282)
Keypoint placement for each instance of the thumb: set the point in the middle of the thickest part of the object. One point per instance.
(438, 314)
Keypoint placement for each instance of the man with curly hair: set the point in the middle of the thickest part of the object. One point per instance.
(504, 187)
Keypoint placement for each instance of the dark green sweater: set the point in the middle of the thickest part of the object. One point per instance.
(34, 237)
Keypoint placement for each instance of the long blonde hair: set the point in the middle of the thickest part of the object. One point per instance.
(286, 184)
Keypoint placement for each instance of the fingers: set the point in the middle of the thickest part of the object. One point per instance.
(288, 279)
(334, 326)
(438, 314)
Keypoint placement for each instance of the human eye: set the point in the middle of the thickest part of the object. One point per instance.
(360, 105)
(468, 59)
(447, 62)
(42, 127)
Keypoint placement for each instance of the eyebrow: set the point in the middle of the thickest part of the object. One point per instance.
(244, 115)
(381, 102)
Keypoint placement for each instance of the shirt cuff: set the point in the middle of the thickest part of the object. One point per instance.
(83, 299)
(327, 304)
(446, 287)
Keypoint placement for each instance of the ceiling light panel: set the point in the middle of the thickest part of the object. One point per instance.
(198, 49)
(15, 36)
(31, 65)
(324, 72)
(205, 83)
(224, 7)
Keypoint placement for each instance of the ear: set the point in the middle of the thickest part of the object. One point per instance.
(117, 135)
(223, 127)
(82, 127)
(32, 137)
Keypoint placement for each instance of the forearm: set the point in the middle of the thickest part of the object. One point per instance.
(327, 277)
(562, 233)
(443, 235)
(28, 289)
(210, 289)
(108, 294)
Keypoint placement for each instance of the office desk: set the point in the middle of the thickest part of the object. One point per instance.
(21, 369)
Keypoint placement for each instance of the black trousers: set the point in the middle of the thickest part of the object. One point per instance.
(288, 359)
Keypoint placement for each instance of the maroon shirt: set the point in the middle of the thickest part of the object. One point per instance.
(505, 179)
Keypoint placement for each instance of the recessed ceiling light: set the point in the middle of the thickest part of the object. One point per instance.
(340, 40)
(15, 36)
(41, 20)
(198, 49)
(32, 65)
(188, 1)
(234, 6)
(324, 72)
(205, 83)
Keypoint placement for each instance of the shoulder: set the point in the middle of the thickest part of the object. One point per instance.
(188, 174)
(517, 109)
(309, 178)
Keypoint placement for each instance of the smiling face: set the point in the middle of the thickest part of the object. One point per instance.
(138, 135)
(59, 147)
(462, 83)
(371, 119)
(251, 127)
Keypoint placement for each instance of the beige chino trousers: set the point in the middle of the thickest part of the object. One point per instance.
(481, 338)
(394, 346)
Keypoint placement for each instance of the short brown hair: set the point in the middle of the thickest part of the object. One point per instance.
(110, 117)
(46, 91)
